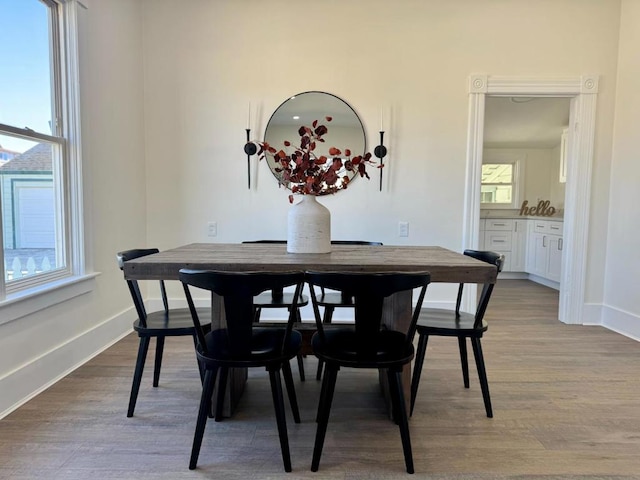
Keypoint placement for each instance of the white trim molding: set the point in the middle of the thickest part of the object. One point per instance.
(583, 91)
(622, 322)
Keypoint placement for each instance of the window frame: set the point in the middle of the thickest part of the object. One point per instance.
(65, 139)
(517, 184)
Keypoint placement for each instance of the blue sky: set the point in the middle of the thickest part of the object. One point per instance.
(25, 81)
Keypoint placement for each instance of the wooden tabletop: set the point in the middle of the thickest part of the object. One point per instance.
(444, 265)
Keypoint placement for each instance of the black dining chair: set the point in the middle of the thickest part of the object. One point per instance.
(277, 298)
(158, 324)
(454, 323)
(329, 300)
(243, 343)
(367, 344)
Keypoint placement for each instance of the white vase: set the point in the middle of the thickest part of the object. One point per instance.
(309, 227)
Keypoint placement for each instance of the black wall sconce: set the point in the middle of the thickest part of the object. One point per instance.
(250, 149)
(380, 152)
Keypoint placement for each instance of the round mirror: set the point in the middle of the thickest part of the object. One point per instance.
(344, 131)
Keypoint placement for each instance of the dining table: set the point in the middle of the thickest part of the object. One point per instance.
(444, 265)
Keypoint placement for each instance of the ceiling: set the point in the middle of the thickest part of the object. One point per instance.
(524, 122)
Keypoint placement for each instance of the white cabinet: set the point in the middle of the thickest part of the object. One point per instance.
(554, 262)
(519, 246)
(508, 237)
(544, 252)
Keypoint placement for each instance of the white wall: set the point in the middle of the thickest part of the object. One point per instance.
(205, 60)
(37, 349)
(622, 283)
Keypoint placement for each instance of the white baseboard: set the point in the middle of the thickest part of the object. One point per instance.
(620, 321)
(24, 383)
(275, 314)
(592, 314)
(543, 281)
(513, 276)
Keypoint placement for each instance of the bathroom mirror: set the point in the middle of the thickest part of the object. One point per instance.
(345, 130)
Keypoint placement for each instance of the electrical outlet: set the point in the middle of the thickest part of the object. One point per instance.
(403, 229)
(212, 229)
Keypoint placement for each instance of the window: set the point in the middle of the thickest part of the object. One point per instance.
(39, 167)
(500, 184)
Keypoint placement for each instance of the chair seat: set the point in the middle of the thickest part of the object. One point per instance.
(267, 300)
(444, 322)
(334, 299)
(265, 347)
(390, 349)
(176, 323)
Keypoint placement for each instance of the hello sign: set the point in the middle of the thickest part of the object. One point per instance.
(543, 209)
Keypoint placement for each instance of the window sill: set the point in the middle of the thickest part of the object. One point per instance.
(501, 206)
(31, 300)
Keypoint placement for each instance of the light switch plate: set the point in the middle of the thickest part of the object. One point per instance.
(403, 229)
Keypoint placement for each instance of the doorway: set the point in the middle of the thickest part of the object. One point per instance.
(583, 93)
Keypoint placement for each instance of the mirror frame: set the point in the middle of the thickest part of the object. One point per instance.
(321, 115)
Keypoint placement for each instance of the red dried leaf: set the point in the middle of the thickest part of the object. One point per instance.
(331, 177)
(304, 173)
(321, 130)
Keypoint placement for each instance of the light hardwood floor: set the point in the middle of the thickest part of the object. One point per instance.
(566, 403)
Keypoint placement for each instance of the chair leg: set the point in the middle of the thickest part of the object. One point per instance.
(321, 397)
(462, 345)
(395, 388)
(417, 367)
(291, 390)
(278, 404)
(482, 375)
(158, 363)
(395, 414)
(205, 408)
(299, 357)
(143, 347)
(327, 317)
(222, 390)
(324, 409)
(200, 365)
(319, 370)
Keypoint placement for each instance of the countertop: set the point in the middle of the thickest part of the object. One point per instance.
(515, 215)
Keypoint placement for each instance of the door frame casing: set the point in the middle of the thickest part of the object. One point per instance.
(583, 91)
